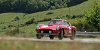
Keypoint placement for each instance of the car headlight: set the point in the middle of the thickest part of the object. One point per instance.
(50, 31)
(41, 31)
(37, 27)
(57, 28)
(69, 29)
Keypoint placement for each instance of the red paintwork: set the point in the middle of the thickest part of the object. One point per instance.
(53, 27)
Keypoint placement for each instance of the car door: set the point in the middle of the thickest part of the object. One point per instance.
(68, 29)
(66, 25)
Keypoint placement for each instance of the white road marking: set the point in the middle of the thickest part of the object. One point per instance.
(55, 40)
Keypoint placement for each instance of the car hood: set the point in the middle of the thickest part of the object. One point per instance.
(52, 27)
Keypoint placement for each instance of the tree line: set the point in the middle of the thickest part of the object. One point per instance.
(31, 6)
(91, 19)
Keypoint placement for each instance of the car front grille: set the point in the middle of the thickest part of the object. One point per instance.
(46, 31)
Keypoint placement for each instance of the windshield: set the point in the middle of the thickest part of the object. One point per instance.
(57, 22)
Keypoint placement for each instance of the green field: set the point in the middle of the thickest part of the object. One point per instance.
(7, 19)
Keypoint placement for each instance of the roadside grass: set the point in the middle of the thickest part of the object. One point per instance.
(7, 19)
(29, 45)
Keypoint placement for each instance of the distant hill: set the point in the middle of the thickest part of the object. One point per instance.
(28, 22)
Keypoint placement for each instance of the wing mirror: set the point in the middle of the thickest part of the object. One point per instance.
(69, 23)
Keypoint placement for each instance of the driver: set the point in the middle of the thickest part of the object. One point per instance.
(54, 22)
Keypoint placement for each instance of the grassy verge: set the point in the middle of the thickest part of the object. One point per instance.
(29, 45)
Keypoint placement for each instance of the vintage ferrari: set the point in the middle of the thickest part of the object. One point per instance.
(56, 28)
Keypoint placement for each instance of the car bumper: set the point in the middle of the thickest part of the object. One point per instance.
(46, 34)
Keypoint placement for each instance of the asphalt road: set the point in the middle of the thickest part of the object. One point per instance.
(55, 40)
(83, 40)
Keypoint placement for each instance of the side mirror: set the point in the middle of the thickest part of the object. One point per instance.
(69, 23)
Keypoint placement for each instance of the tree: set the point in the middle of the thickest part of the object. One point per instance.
(93, 16)
(16, 18)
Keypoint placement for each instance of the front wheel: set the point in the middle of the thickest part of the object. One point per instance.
(61, 35)
(38, 36)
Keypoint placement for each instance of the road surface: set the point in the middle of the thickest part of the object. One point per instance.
(64, 40)
(55, 40)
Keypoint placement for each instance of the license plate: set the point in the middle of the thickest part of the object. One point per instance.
(47, 35)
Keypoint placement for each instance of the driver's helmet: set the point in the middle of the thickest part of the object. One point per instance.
(54, 22)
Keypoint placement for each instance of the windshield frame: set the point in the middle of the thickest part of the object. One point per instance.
(58, 22)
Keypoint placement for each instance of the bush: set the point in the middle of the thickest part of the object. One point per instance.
(30, 21)
(93, 17)
(49, 13)
(90, 21)
(13, 31)
(16, 19)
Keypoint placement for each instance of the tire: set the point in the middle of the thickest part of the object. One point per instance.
(51, 37)
(73, 36)
(61, 35)
(38, 36)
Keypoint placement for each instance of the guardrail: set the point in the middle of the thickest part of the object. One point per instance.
(88, 33)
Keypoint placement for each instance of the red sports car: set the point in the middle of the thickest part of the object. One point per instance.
(56, 28)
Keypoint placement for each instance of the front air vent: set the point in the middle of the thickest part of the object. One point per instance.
(46, 31)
